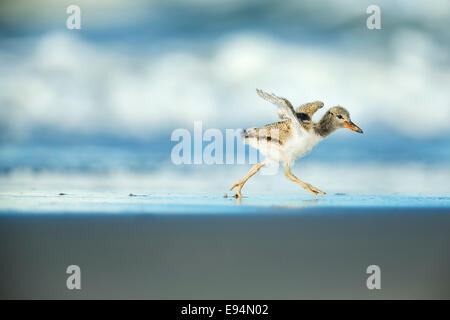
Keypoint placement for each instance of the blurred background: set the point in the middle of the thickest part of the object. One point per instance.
(98, 105)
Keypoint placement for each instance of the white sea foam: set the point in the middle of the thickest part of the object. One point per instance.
(67, 83)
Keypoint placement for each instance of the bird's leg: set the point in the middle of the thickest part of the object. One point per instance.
(240, 183)
(306, 186)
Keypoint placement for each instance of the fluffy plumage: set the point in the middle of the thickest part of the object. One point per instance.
(285, 141)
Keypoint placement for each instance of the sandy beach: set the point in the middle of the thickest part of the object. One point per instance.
(230, 251)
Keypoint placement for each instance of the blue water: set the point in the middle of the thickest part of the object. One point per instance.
(48, 150)
(209, 203)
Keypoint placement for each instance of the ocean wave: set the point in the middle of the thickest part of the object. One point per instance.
(74, 85)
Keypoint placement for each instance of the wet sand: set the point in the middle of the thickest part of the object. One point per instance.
(274, 253)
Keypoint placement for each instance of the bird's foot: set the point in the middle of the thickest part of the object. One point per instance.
(239, 186)
(313, 189)
(238, 195)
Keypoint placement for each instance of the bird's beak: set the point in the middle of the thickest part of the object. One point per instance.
(353, 126)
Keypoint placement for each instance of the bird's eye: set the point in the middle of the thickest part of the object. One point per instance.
(340, 117)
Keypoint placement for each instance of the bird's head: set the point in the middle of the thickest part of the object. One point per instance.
(340, 118)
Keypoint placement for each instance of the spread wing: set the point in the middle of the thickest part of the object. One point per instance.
(306, 111)
(285, 109)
